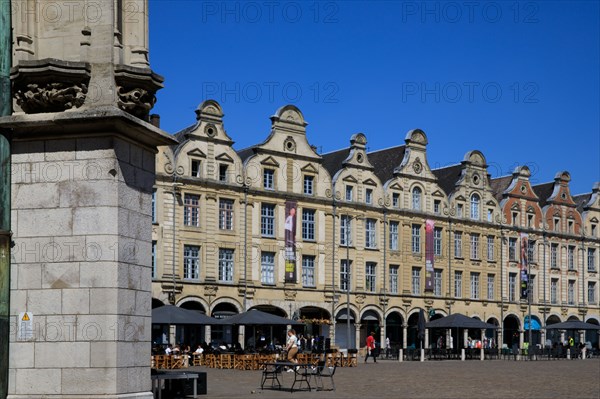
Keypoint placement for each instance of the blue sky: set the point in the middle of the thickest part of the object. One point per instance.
(519, 81)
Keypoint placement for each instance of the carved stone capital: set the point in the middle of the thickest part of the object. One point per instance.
(136, 89)
(50, 85)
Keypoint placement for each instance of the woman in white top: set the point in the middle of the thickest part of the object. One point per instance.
(292, 346)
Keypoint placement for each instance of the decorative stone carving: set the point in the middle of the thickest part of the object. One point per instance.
(50, 85)
(289, 144)
(290, 295)
(210, 290)
(417, 166)
(136, 89)
(360, 299)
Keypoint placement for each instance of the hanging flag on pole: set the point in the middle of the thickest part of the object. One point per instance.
(523, 263)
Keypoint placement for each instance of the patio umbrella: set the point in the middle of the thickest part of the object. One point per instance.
(573, 325)
(255, 317)
(458, 320)
(421, 327)
(170, 314)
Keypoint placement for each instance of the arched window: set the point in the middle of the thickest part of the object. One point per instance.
(416, 199)
(475, 201)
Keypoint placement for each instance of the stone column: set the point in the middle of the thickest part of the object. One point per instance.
(404, 337)
(562, 336)
(357, 342)
(465, 336)
(426, 338)
(207, 334)
(521, 338)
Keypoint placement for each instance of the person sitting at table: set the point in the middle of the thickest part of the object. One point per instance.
(199, 350)
(169, 350)
(292, 347)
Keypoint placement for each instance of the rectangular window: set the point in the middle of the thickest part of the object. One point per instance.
(591, 292)
(394, 235)
(226, 214)
(267, 220)
(571, 257)
(309, 185)
(437, 282)
(369, 196)
(490, 215)
(512, 249)
(345, 230)
(554, 256)
(591, 259)
(191, 210)
(437, 241)
(459, 210)
(308, 224)
(532, 291)
(370, 276)
(308, 271)
(396, 200)
(153, 259)
(349, 193)
(370, 236)
(490, 287)
(436, 206)
(554, 291)
(557, 224)
(267, 268)
(458, 284)
(512, 287)
(593, 230)
(269, 179)
(196, 168)
(571, 292)
(515, 218)
(416, 238)
(458, 244)
(223, 173)
(394, 279)
(570, 226)
(531, 251)
(475, 246)
(191, 262)
(474, 285)
(154, 206)
(345, 275)
(226, 265)
(490, 248)
(530, 221)
(416, 280)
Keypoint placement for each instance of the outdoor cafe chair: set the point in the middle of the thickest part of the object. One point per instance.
(322, 370)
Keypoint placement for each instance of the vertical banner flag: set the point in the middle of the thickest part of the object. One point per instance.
(290, 241)
(524, 260)
(429, 254)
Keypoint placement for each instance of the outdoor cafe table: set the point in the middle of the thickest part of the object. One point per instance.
(271, 371)
(156, 378)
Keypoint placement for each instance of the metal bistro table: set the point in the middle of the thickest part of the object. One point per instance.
(156, 378)
(271, 371)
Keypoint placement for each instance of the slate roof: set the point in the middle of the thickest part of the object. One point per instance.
(499, 184)
(448, 177)
(581, 200)
(544, 191)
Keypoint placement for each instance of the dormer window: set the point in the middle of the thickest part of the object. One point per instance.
(269, 179)
(556, 224)
(308, 185)
(223, 173)
(490, 215)
(436, 206)
(515, 218)
(570, 226)
(459, 210)
(396, 200)
(369, 196)
(475, 200)
(349, 193)
(416, 199)
(530, 221)
(593, 230)
(196, 169)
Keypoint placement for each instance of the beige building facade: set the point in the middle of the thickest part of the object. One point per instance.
(220, 243)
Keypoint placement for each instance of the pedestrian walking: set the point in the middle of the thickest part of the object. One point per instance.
(371, 350)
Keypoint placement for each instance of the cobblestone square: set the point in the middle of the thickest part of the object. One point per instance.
(430, 379)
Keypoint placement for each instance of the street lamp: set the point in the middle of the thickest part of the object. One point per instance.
(348, 218)
(245, 182)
